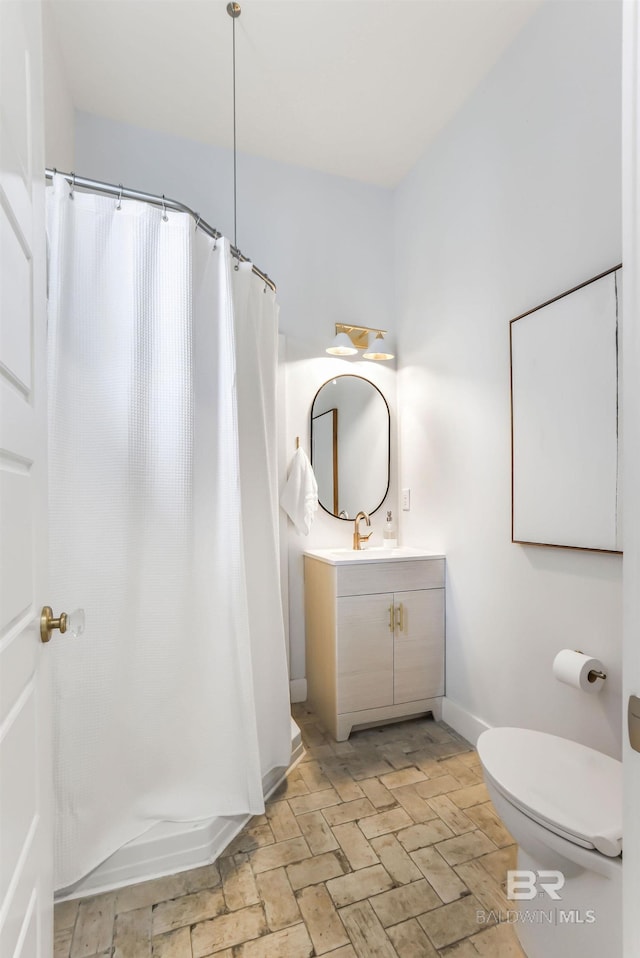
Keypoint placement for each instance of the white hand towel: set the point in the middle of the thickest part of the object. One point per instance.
(299, 497)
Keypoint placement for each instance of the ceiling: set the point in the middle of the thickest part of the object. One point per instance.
(357, 88)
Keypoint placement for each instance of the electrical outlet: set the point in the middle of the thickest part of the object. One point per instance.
(406, 500)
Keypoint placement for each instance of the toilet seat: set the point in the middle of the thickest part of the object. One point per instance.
(566, 787)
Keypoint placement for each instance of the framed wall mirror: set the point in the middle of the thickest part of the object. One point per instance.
(565, 419)
(350, 446)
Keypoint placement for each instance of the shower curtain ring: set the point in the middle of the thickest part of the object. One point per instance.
(215, 243)
(164, 210)
(238, 254)
(197, 223)
(119, 203)
(73, 185)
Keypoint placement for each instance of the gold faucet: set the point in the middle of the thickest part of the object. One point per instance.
(358, 538)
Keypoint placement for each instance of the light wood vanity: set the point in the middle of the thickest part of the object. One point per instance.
(374, 635)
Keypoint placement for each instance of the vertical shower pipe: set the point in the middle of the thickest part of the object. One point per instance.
(234, 10)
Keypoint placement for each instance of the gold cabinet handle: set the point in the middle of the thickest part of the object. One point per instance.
(391, 617)
(400, 620)
(73, 622)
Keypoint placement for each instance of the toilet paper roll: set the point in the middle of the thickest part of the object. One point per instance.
(575, 669)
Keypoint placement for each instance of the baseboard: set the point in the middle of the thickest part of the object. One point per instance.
(298, 690)
(462, 721)
(171, 847)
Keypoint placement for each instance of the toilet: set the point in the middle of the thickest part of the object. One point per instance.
(562, 803)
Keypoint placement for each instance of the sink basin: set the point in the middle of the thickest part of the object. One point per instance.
(374, 554)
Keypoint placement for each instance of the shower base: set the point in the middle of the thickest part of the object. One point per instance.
(171, 847)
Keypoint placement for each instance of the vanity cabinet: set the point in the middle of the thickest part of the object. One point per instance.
(374, 637)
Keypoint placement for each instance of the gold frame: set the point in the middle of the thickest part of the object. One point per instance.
(359, 335)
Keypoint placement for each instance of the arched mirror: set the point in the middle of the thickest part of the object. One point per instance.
(350, 446)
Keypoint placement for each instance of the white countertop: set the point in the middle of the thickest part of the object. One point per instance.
(374, 554)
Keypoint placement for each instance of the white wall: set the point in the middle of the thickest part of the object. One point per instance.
(58, 105)
(631, 304)
(326, 241)
(517, 201)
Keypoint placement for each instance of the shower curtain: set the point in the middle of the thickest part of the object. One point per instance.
(163, 526)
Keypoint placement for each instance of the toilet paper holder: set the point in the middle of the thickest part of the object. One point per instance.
(594, 674)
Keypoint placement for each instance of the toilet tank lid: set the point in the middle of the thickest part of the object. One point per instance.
(559, 782)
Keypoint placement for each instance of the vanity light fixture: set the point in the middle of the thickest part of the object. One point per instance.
(350, 339)
(342, 346)
(378, 347)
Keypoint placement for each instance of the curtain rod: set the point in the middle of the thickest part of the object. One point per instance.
(81, 182)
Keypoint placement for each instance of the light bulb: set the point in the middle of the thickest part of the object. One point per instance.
(342, 346)
(378, 348)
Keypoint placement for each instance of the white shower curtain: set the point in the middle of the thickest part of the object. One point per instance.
(163, 506)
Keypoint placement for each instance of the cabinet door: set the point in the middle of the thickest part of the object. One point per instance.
(419, 645)
(365, 652)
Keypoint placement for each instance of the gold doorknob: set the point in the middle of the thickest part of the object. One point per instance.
(74, 622)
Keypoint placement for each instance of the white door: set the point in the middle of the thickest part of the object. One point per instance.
(631, 458)
(26, 897)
